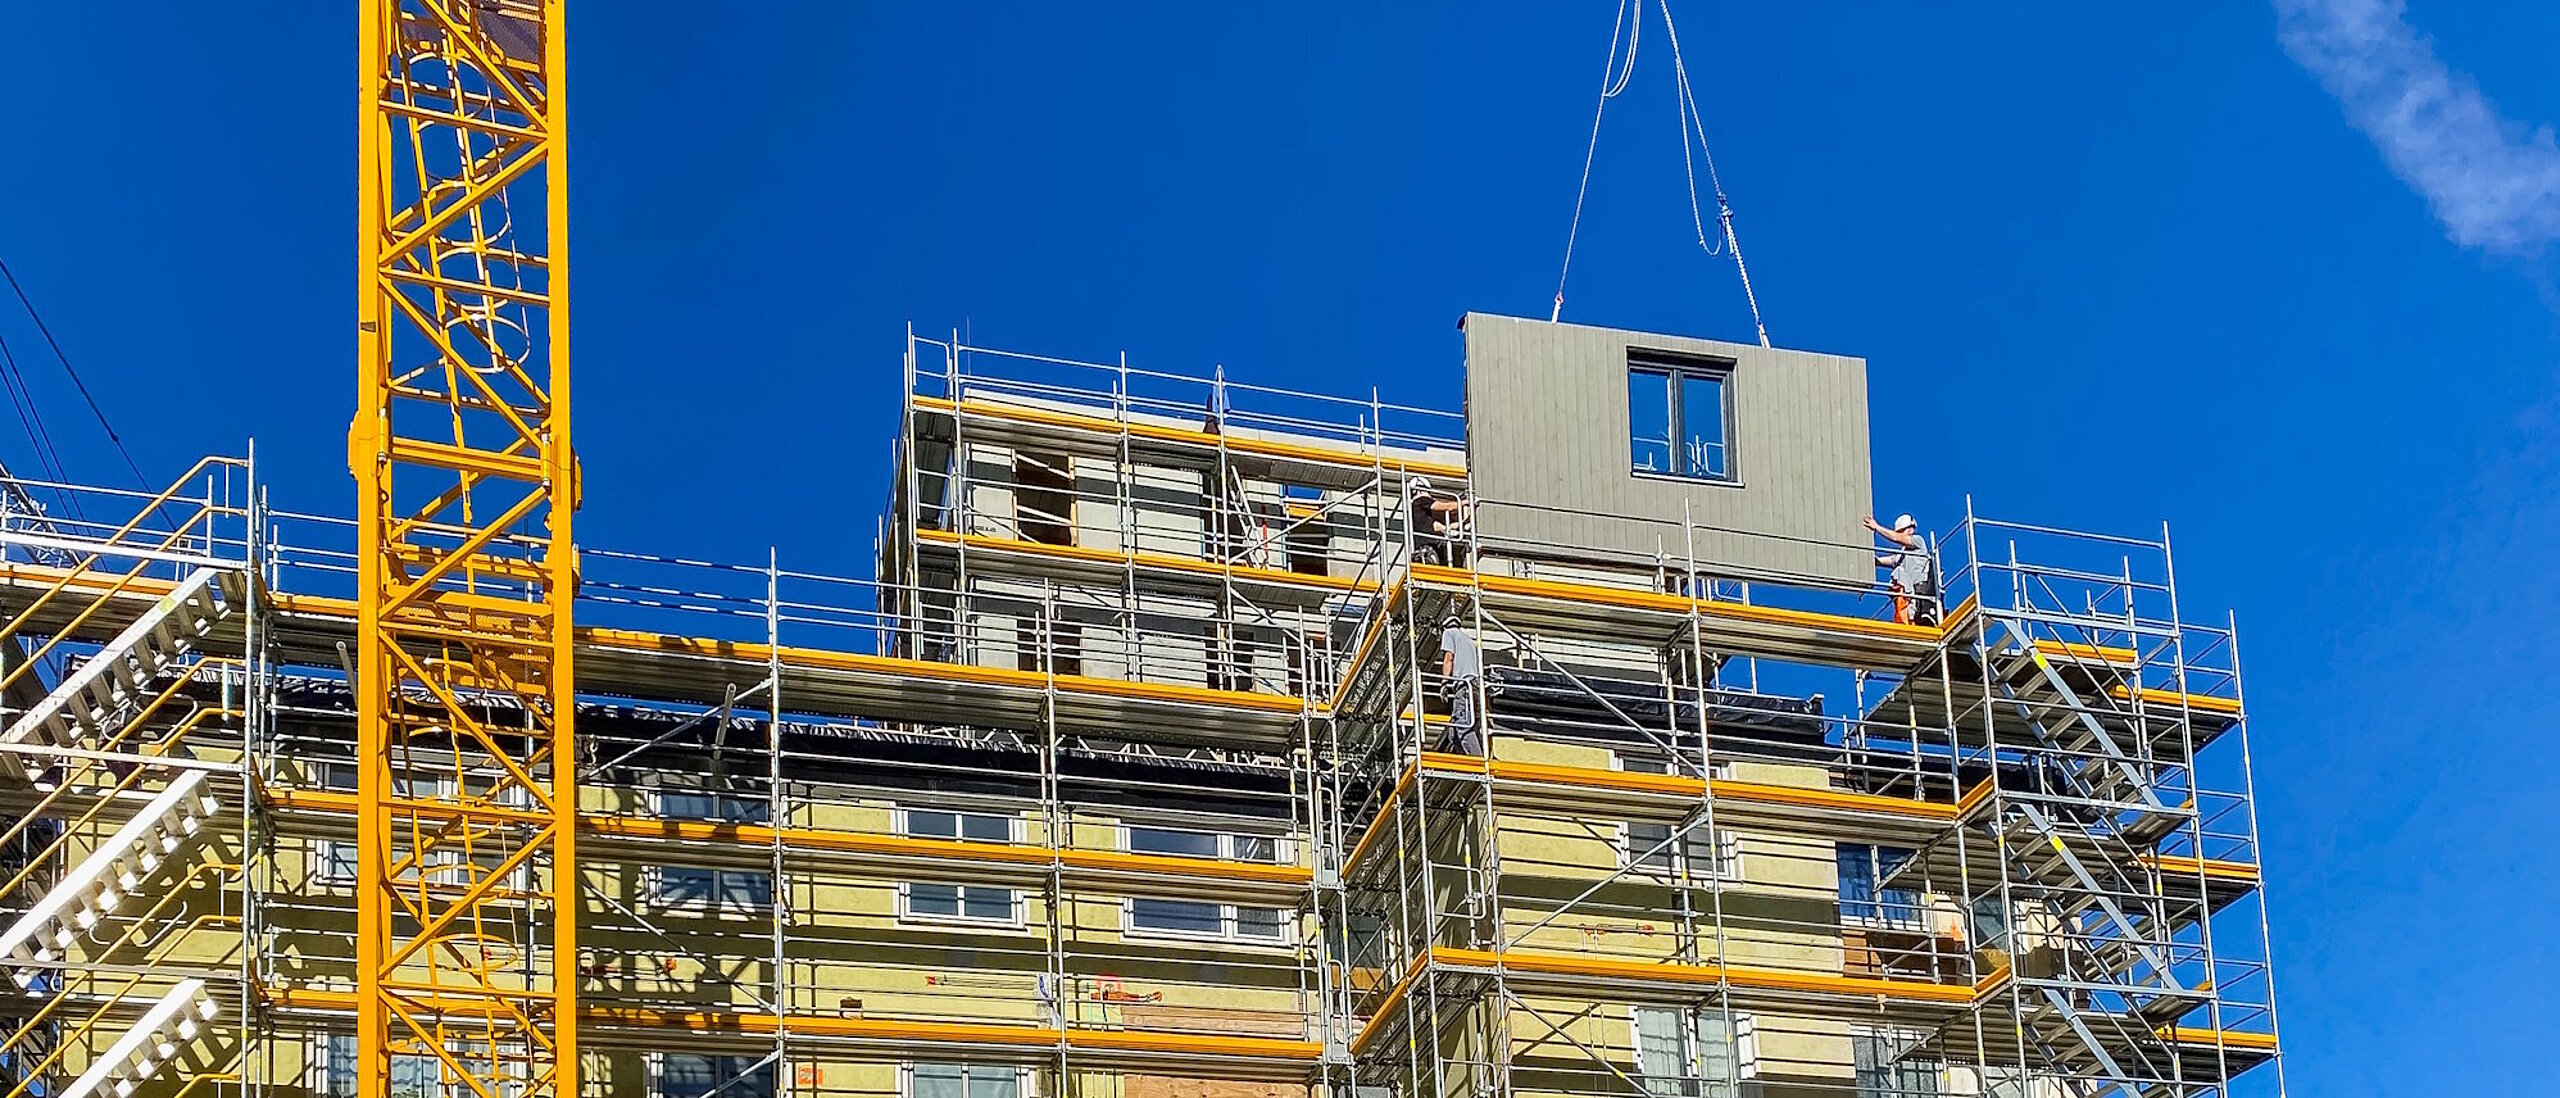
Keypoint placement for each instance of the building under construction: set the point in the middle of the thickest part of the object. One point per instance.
(1131, 764)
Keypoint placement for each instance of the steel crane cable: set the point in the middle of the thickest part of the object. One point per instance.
(1692, 124)
(1614, 76)
(76, 382)
(1613, 79)
(39, 438)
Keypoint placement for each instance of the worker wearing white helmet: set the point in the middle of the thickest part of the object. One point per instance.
(1433, 520)
(1914, 581)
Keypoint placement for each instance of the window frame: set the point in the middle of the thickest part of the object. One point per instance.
(657, 1060)
(1894, 1071)
(1726, 870)
(1745, 1046)
(324, 1060)
(1728, 846)
(907, 1075)
(1283, 852)
(325, 856)
(1674, 368)
(1894, 915)
(1014, 917)
(653, 878)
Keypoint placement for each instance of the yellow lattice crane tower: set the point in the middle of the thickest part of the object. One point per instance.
(467, 935)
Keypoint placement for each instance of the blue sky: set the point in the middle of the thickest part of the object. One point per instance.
(2107, 268)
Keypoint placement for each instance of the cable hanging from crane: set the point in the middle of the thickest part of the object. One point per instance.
(39, 441)
(83, 386)
(1614, 77)
(1610, 86)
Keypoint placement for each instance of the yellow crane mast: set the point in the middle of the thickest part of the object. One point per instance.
(466, 868)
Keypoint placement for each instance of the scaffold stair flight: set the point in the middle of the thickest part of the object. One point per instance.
(90, 706)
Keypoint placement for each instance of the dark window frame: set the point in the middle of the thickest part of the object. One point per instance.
(729, 1076)
(727, 892)
(963, 822)
(1673, 370)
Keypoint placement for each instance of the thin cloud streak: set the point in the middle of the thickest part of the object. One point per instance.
(2492, 181)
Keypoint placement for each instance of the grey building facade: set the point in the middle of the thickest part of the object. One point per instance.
(1776, 486)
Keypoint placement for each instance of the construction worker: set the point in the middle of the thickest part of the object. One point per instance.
(1914, 581)
(1461, 674)
(1431, 531)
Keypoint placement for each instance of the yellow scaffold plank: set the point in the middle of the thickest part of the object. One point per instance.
(1603, 970)
(1281, 1056)
(888, 848)
(2210, 867)
(2192, 1035)
(340, 613)
(1728, 794)
(2202, 703)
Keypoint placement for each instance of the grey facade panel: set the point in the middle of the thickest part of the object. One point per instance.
(1549, 460)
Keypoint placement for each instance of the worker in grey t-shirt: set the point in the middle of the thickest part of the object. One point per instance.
(1462, 671)
(1915, 583)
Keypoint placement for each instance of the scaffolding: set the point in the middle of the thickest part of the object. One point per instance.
(1122, 774)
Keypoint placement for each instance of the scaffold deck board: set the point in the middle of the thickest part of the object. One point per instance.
(1206, 1055)
(618, 837)
(697, 670)
(1534, 788)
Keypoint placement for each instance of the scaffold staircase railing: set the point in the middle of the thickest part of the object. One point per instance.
(89, 707)
(2039, 686)
(2074, 846)
(160, 835)
(151, 1045)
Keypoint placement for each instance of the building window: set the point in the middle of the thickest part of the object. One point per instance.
(681, 1075)
(1200, 918)
(1883, 1069)
(337, 1074)
(1648, 849)
(1680, 418)
(963, 1081)
(333, 861)
(973, 903)
(336, 1070)
(1645, 847)
(1864, 900)
(1696, 1058)
(735, 890)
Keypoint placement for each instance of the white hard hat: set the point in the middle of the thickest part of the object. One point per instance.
(1906, 522)
(1419, 484)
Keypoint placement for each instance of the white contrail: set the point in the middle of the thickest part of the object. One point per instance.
(2494, 182)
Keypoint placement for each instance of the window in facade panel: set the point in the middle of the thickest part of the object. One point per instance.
(734, 890)
(1884, 1071)
(1201, 918)
(1680, 418)
(1864, 899)
(1044, 498)
(977, 903)
(681, 1075)
(1693, 1053)
(963, 1081)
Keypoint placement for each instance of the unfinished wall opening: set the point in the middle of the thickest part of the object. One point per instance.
(1044, 498)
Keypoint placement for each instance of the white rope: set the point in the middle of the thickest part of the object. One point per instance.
(1613, 79)
(1691, 122)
